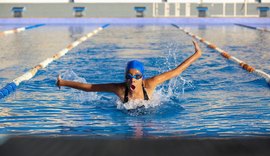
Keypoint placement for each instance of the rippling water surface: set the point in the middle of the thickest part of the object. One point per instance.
(212, 98)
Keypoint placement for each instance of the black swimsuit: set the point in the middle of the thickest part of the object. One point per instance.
(144, 94)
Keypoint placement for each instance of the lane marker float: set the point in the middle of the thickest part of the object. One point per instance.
(226, 55)
(251, 27)
(17, 30)
(11, 87)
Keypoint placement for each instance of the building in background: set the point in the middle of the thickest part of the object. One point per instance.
(133, 8)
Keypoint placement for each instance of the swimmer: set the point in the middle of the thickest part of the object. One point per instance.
(136, 86)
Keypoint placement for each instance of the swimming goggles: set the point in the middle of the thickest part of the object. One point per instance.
(137, 76)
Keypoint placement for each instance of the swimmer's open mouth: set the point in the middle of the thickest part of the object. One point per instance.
(132, 87)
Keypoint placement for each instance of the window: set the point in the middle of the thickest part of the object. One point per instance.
(202, 11)
(139, 11)
(78, 11)
(17, 11)
(263, 11)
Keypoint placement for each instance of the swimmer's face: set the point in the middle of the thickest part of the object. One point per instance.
(134, 79)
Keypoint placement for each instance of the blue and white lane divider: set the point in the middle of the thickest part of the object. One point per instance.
(251, 27)
(11, 87)
(33, 26)
(226, 55)
(17, 30)
(8, 89)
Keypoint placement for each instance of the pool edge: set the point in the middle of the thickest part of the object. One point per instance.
(134, 20)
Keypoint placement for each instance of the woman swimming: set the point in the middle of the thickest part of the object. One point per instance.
(135, 85)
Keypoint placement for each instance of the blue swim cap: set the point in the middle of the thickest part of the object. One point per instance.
(134, 64)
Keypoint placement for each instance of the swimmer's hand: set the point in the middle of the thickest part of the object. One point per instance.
(59, 79)
(158, 79)
(198, 50)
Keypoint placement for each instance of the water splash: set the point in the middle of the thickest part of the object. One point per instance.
(160, 104)
(134, 104)
(167, 93)
(178, 85)
(142, 107)
(79, 95)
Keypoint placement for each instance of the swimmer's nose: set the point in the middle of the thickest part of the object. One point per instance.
(133, 80)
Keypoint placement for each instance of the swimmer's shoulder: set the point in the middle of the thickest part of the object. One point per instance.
(149, 87)
(119, 88)
(149, 83)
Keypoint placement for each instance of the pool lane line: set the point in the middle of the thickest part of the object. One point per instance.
(226, 55)
(17, 30)
(251, 27)
(11, 87)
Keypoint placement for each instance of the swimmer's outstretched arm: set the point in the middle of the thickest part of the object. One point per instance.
(110, 87)
(158, 79)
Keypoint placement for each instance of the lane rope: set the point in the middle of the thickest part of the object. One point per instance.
(226, 55)
(251, 27)
(11, 87)
(17, 30)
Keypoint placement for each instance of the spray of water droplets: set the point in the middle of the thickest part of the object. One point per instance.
(177, 85)
(166, 93)
(78, 95)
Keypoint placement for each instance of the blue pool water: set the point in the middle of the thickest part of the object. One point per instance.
(212, 98)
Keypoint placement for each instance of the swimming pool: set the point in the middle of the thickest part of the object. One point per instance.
(212, 98)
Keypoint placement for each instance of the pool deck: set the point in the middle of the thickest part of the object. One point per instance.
(72, 146)
(134, 20)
